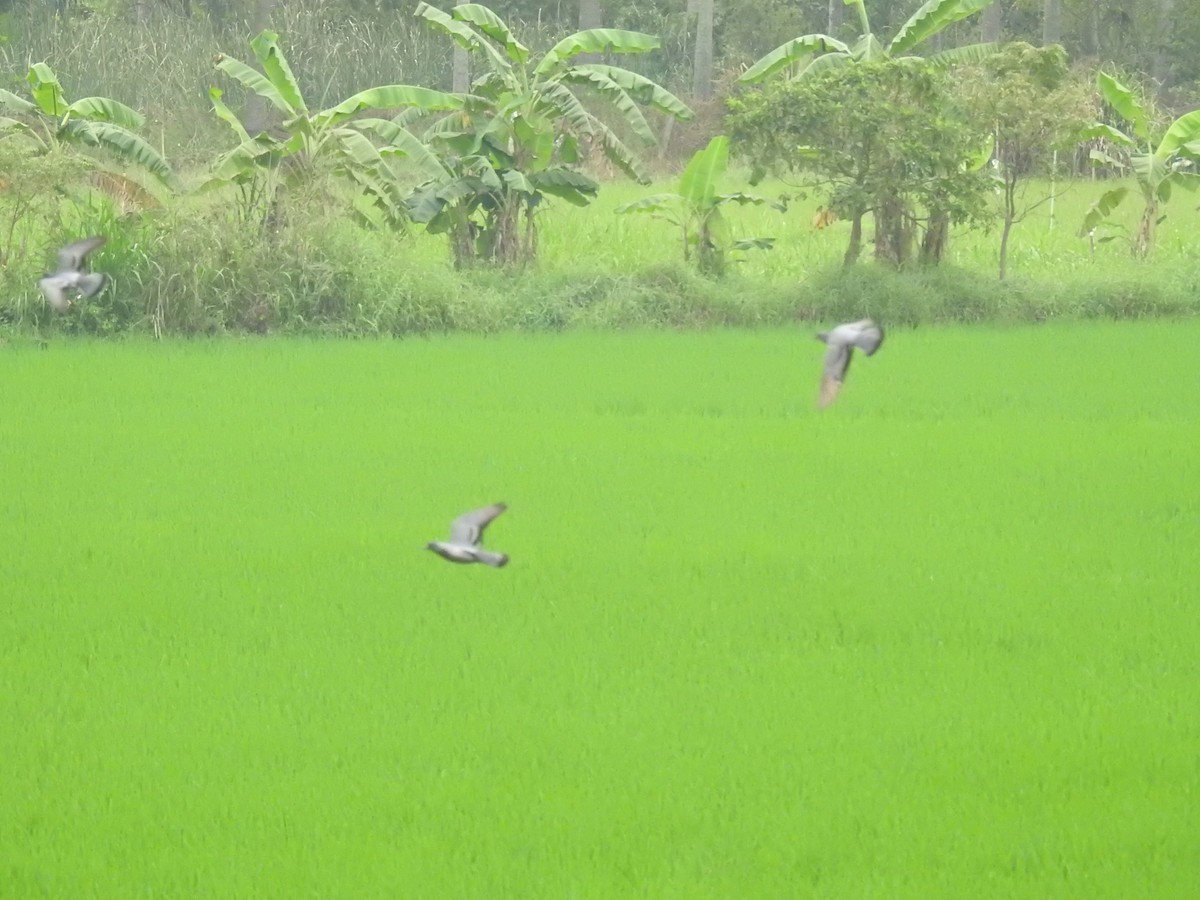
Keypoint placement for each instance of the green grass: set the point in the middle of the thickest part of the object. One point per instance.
(939, 641)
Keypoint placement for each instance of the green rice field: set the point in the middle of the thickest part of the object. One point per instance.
(940, 640)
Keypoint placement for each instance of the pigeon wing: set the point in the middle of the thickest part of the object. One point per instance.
(869, 337)
(468, 528)
(837, 362)
(71, 257)
(91, 284)
(52, 288)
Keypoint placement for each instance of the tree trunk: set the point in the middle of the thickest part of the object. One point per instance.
(1092, 44)
(461, 71)
(710, 255)
(462, 241)
(937, 235)
(1010, 216)
(702, 63)
(507, 237)
(505, 244)
(893, 233)
(589, 17)
(256, 117)
(1162, 56)
(1051, 22)
(218, 10)
(1145, 235)
(664, 140)
(854, 248)
(990, 23)
(833, 19)
(1004, 247)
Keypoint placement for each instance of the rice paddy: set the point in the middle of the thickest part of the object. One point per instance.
(937, 641)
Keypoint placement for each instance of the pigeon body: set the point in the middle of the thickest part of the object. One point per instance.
(466, 535)
(841, 341)
(70, 279)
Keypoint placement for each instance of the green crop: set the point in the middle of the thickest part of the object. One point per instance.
(937, 641)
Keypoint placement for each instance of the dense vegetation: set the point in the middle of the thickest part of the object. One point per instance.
(364, 168)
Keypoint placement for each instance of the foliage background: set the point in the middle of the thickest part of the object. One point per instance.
(179, 264)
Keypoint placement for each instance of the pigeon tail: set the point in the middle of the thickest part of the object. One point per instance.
(495, 560)
(829, 391)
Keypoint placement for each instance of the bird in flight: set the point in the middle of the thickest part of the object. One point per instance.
(70, 279)
(841, 341)
(466, 534)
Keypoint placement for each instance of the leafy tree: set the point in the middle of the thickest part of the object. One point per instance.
(50, 122)
(332, 140)
(1158, 163)
(696, 210)
(882, 137)
(518, 136)
(1027, 100)
(811, 53)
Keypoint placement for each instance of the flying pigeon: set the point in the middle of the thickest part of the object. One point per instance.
(466, 532)
(841, 341)
(70, 278)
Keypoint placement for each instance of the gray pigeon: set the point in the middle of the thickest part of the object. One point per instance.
(841, 341)
(70, 278)
(466, 532)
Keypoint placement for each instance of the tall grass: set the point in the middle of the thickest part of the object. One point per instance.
(938, 641)
(193, 268)
(164, 66)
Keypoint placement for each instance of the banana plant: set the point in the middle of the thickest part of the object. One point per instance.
(526, 129)
(695, 209)
(1158, 164)
(811, 53)
(49, 121)
(308, 144)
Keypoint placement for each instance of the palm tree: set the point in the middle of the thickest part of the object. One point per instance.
(309, 143)
(1159, 163)
(813, 52)
(50, 121)
(524, 128)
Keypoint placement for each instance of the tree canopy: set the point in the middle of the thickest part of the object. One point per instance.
(882, 137)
